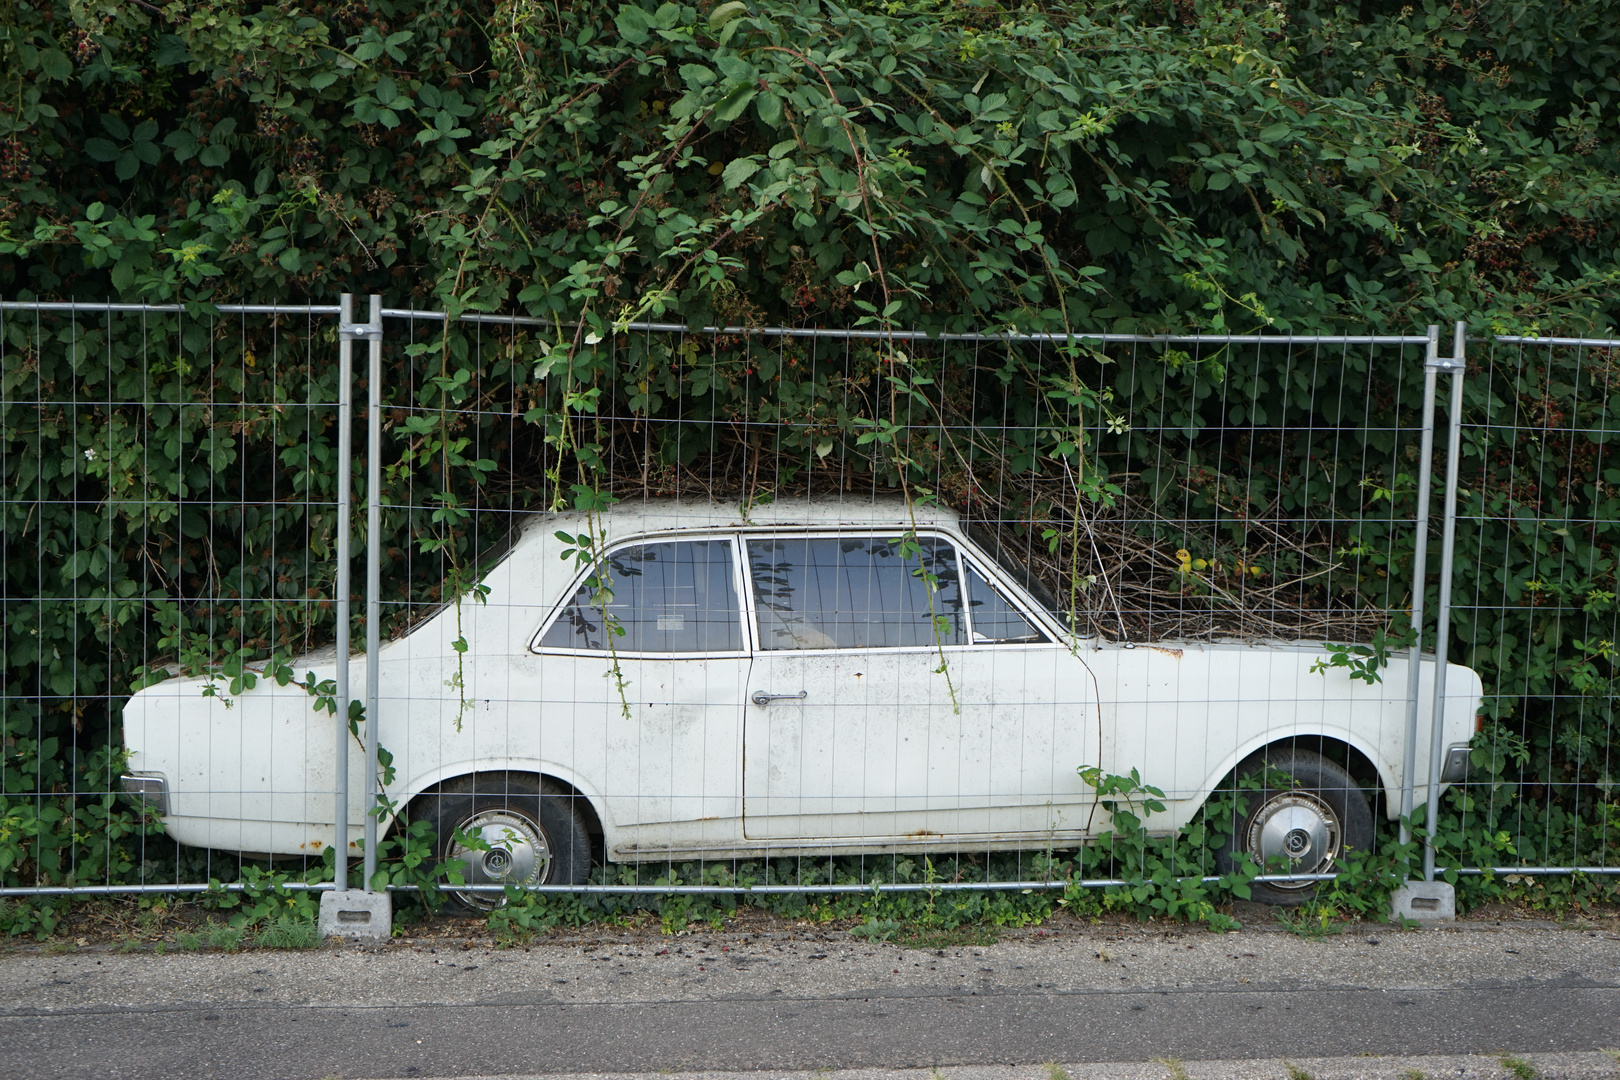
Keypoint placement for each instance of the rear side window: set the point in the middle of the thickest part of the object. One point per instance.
(659, 598)
(855, 593)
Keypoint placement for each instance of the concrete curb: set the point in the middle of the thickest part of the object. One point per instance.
(1574, 1066)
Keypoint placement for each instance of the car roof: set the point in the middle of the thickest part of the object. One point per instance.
(669, 514)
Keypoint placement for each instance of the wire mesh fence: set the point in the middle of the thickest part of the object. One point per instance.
(665, 611)
(1537, 530)
(168, 503)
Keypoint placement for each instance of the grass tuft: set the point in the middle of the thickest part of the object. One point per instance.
(1520, 1068)
(224, 938)
(287, 933)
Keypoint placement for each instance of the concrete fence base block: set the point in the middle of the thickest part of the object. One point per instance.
(357, 915)
(1425, 902)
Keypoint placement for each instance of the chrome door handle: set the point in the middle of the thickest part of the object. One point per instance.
(762, 698)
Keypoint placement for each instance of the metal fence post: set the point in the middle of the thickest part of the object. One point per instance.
(1420, 571)
(1442, 631)
(373, 574)
(340, 814)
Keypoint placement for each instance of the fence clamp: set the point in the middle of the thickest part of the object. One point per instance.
(359, 331)
(1445, 364)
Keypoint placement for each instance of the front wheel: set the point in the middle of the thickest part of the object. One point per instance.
(1306, 813)
(506, 830)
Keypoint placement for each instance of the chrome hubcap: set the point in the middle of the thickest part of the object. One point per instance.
(506, 849)
(1299, 828)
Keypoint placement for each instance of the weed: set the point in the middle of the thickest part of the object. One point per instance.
(1414, 1074)
(1313, 921)
(224, 938)
(952, 938)
(1054, 1071)
(1177, 1072)
(59, 947)
(287, 932)
(876, 930)
(1295, 1072)
(1520, 1068)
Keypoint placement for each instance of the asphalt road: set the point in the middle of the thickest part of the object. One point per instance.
(809, 1002)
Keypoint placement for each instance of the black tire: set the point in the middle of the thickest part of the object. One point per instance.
(1311, 823)
(535, 835)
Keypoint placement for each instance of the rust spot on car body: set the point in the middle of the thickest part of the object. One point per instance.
(1177, 653)
(918, 834)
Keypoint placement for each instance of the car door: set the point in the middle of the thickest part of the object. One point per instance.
(876, 712)
(650, 653)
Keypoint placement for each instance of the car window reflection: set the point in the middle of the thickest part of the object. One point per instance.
(665, 598)
(855, 593)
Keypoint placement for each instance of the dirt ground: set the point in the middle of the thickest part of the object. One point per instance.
(160, 924)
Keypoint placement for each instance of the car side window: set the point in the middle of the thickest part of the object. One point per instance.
(855, 592)
(674, 597)
(995, 621)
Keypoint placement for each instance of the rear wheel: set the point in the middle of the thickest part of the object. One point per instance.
(1306, 814)
(508, 830)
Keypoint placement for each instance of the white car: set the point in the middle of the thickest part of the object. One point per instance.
(802, 676)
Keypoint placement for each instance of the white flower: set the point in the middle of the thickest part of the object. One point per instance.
(89, 455)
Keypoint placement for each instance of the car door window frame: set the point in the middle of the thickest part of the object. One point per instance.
(738, 580)
(979, 567)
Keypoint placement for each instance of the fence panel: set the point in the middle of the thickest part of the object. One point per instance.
(1182, 505)
(1535, 612)
(168, 507)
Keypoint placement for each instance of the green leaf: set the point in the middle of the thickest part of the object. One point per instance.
(738, 171)
(183, 143)
(696, 75)
(736, 69)
(769, 108)
(632, 22)
(55, 64)
(101, 149)
(725, 13)
(733, 104)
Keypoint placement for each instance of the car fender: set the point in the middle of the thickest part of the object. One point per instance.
(419, 785)
(1386, 773)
